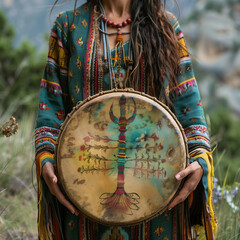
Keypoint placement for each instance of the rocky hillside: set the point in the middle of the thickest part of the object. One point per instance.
(213, 29)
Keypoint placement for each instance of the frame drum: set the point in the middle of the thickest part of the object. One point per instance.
(117, 155)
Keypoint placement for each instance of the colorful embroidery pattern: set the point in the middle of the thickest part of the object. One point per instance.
(43, 106)
(76, 89)
(186, 85)
(84, 22)
(197, 134)
(159, 231)
(72, 27)
(76, 12)
(200, 103)
(65, 25)
(183, 69)
(70, 74)
(79, 41)
(52, 87)
(45, 138)
(185, 110)
(57, 52)
(60, 114)
(78, 63)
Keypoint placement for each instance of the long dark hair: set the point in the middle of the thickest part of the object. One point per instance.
(153, 37)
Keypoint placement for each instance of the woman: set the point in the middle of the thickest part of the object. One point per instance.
(147, 51)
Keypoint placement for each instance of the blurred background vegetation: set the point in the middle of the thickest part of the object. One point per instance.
(212, 31)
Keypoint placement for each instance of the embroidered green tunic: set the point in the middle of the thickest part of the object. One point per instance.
(69, 77)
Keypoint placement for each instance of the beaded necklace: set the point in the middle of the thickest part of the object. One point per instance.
(119, 50)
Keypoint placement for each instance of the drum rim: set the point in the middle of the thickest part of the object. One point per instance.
(64, 125)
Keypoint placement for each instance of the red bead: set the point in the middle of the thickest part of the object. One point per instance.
(114, 24)
(124, 23)
(109, 22)
(119, 25)
(129, 20)
(104, 19)
(119, 33)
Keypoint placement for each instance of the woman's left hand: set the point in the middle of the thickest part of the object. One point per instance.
(194, 173)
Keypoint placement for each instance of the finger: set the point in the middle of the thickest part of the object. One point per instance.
(188, 187)
(184, 173)
(183, 194)
(55, 190)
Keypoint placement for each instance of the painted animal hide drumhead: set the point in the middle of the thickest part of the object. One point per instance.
(117, 155)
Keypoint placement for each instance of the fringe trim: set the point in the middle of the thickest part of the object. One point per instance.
(43, 233)
(211, 221)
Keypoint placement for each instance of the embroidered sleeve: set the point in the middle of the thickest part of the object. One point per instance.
(53, 102)
(188, 107)
(187, 102)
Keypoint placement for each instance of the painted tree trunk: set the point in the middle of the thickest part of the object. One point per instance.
(120, 199)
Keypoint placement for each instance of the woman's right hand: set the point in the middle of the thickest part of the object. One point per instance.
(51, 181)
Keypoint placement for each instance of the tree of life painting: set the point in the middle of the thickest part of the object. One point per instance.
(117, 157)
